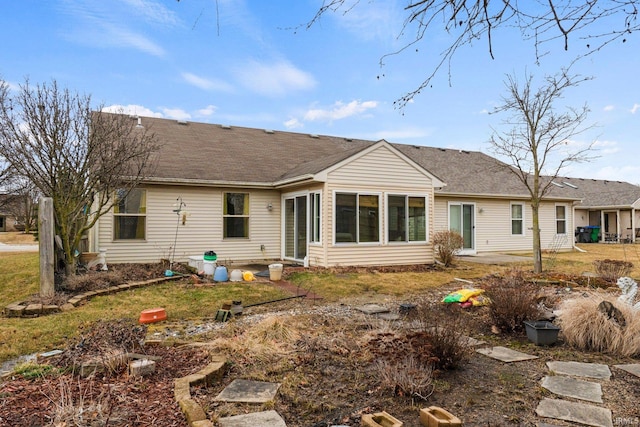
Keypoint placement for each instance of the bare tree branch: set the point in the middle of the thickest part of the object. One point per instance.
(72, 153)
(537, 136)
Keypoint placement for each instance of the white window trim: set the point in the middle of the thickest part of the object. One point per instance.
(512, 218)
(224, 201)
(566, 219)
(144, 215)
(426, 214)
(311, 219)
(380, 215)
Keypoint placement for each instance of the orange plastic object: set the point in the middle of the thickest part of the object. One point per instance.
(153, 315)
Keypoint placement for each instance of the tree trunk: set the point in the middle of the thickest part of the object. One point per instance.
(537, 248)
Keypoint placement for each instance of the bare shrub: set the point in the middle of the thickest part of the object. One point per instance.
(406, 377)
(512, 300)
(586, 327)
(447, 244)
(443, 327)
(102, 342)
(77, 405)
(611, 269)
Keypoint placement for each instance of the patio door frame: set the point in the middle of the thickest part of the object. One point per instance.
(467, 225)
(300, 241)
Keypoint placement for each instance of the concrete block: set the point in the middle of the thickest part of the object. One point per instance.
(33, 309)
(195, 379)
(181, 389)
(192, 411)
(67, 307)
(434, 416)
(14, 310)
(380, 419)
(89, 368)
(142, 367)
(50, 309)
(203, 423)
(213, 372)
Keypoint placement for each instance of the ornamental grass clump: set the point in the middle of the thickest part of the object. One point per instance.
(591, 324)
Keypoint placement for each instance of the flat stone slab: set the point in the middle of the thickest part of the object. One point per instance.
(372, 309)
(266, 418)
(505, 354)
(575, 412)
(249, 392)
(388, 316)
(633, 368)
(580, 369)
(571, 387)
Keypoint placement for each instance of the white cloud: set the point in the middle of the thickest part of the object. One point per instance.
(274, 79)
(293, 124)
(206, 84)
(153, 11)
(339, 111)
(207, 111)
(635, 108)
(123, 37)
(131, 109)
(176, 113)
(606, 148)
(609, 108)
(375, 20)
(102, 24)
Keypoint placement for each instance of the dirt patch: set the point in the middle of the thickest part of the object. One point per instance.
(327, 359)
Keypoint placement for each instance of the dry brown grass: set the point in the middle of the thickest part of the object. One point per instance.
(16, 238)
(585, 327)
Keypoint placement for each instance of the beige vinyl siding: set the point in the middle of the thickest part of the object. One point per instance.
(379, 172)
(202, 230)
(493, 224)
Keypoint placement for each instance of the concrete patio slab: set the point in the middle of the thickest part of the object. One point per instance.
(633, 368)
(248, 392)
(571, 387)
(505, 354)
(372, 309)
(266, 418)
(580, 369)
(575, 412)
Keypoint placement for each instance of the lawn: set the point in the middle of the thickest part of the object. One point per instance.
(183, 301)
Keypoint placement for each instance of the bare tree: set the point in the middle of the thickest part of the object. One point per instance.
(537, 142)
(72, 153)
(541, 22)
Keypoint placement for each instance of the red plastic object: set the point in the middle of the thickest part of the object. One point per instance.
(153, 315)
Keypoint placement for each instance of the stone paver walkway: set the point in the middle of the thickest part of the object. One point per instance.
(588, 370)
(571, 387)
(505, 354)
(255, 419)
(248, 392)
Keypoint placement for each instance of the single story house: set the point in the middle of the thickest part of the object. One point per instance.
(259, 194)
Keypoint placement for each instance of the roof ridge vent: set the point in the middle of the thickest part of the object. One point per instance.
(268, 131)
(314, 135)
(225, 126)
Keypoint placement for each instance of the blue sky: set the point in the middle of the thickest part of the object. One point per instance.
(253, 63)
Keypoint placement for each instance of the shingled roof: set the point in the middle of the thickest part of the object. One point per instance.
(202, 153)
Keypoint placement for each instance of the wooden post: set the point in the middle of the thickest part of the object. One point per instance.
(47, 255)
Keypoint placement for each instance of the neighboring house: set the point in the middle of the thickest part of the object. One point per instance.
(9, 205)
(613, 206)
(252, 194)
